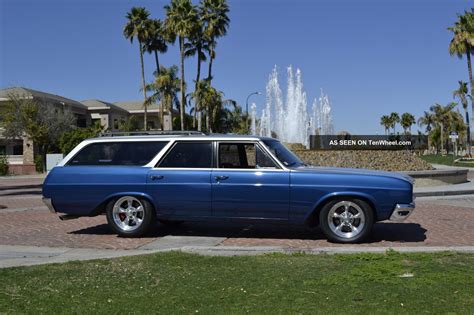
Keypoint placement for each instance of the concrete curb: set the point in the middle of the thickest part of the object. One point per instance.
(15, 256)
(20, 187)
(436, 193)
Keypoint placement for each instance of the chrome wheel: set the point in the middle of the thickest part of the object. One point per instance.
(128, 213)
(346, 219)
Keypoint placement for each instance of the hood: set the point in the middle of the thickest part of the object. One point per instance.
(353, 171)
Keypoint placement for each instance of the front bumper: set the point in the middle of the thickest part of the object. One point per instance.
(402, 211)
(49, 204)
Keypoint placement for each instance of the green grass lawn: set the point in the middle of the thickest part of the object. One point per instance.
(444, 160)
(184, 283)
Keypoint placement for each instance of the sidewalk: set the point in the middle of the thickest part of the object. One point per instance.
(17, 256)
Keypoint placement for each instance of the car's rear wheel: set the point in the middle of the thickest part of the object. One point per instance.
(130, 216)
(346, 220)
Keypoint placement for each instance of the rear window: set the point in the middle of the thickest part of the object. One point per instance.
(117, 153)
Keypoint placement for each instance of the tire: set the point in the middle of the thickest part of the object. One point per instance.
(346, 220)
(130, 216)
(170, 223)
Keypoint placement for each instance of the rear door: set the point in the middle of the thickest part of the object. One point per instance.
(180, 183)
(248, 183)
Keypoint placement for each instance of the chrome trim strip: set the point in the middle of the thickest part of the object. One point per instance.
(402, 211)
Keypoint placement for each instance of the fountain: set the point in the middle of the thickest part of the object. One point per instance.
(290, 121)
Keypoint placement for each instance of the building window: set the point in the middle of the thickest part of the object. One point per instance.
(81, 122)
(116, 124)
(3, 150)
(18, 149)
(151, 125)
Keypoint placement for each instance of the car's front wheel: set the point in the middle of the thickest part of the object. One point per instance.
(346, 220)
(130, 216)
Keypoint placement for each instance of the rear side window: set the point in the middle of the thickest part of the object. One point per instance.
(117, 153)
(189, 155)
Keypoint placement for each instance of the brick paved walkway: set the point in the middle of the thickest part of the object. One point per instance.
(434, 223)
(430, 225)
(21, 202)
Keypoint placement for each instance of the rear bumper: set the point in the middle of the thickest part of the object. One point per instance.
(402, 211)
(49, 204)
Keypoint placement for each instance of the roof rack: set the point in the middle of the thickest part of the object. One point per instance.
(150, 133)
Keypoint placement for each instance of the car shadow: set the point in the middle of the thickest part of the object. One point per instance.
(398, 232)
(382, 231)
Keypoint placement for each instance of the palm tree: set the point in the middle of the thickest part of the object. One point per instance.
(386, 123)
(462, 43)
(197, 45)
(197, 96)
(136, 27)
(426, 120)
(155, 41)
(394, 120)
(213, 14)
(165, 88)
(181, 20)
(461, 93)
(216, 106)
(407, 121)
(443, 117)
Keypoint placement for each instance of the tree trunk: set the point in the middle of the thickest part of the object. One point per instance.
(170, 106)
(144, 87)
(468, 132)
(211, 59)
(43, 154)
(162, 113)
(207, 118)
(181, 105)
(196, 100)
(209, 78)
(157, 63)
(161, 101)
(469, 68)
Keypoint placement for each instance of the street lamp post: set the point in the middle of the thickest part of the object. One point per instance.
(247, 109)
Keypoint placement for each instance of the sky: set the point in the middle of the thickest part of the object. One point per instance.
(372, 57)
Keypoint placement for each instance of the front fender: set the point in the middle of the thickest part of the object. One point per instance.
(323, 200)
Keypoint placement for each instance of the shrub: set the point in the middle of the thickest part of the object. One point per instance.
(70, 139)
(3, 165)
(39, 164)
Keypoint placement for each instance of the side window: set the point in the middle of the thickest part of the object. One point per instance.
(189, 155)
(117, 153)
(243, 156)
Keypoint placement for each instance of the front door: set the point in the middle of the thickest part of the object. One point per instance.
(248, 183)
(180, 184)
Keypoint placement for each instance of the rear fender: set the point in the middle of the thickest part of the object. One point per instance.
(101, 207)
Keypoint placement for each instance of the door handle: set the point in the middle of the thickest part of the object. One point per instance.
(223, 177)
(156, 177)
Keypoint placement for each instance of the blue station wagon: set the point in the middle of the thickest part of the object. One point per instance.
(172, 178)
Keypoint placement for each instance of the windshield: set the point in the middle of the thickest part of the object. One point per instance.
(285, 156)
